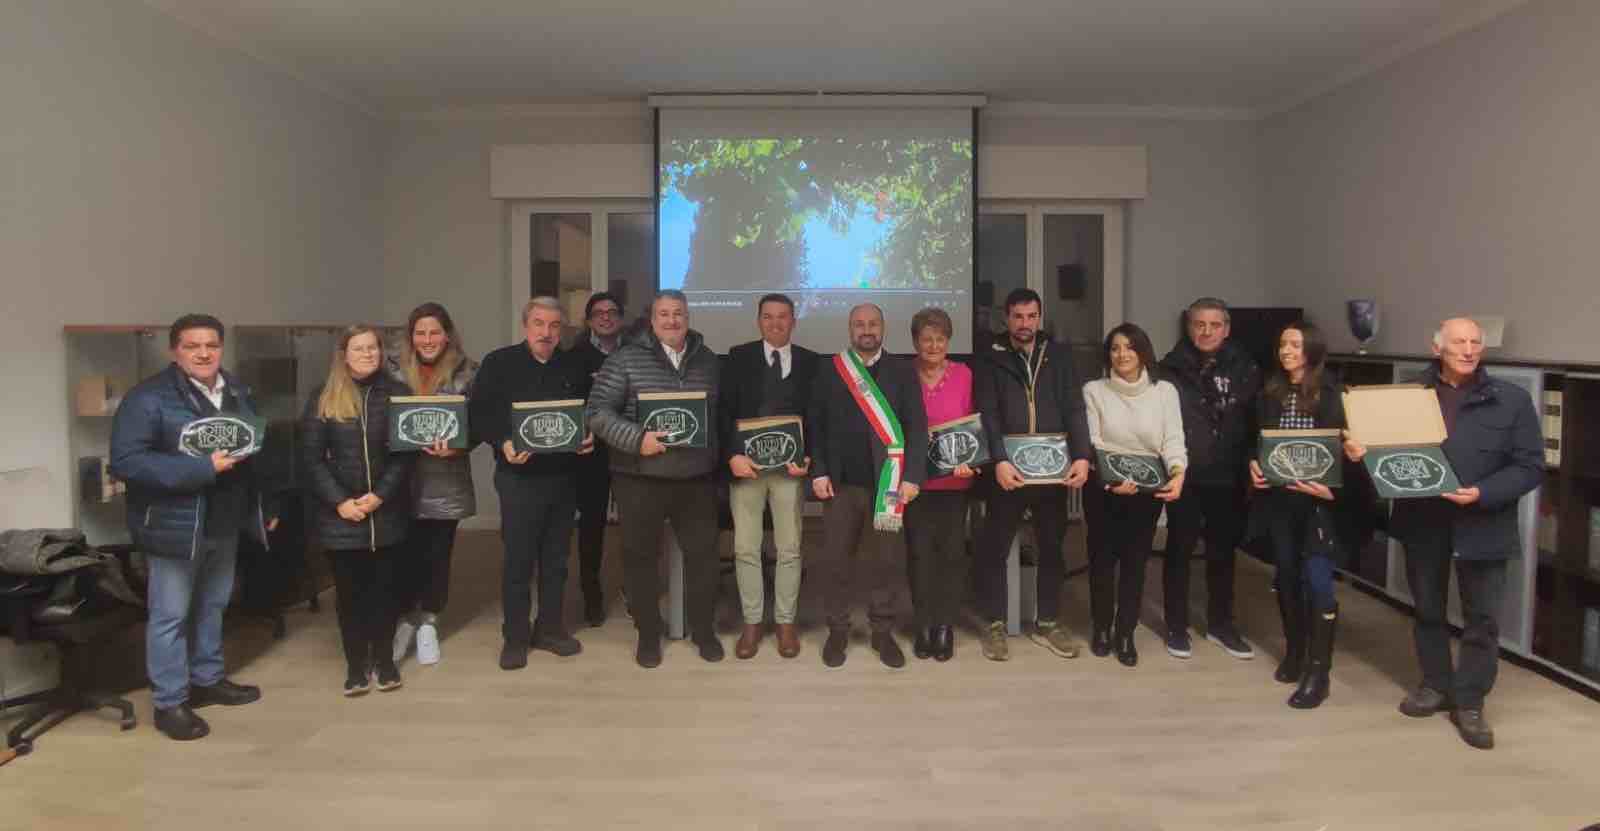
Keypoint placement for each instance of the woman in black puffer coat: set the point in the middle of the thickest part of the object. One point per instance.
(363, 505)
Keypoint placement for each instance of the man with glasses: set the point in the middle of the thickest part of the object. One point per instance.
(1217, 383)
(603, 316)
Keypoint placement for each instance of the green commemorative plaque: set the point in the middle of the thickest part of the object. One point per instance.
(960, 441)
(1041, 458)
(417, 421)
(772, 442)
(232, 433)
(680, 417)
(547, 426)
(1142, 469)
(1289, 456)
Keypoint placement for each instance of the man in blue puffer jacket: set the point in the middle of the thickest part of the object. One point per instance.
(186, 511)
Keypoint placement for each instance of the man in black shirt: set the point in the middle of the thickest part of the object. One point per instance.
(1217, 383)
(538, 493)
(857, 398)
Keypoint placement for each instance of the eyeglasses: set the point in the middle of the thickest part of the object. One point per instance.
(606, 313)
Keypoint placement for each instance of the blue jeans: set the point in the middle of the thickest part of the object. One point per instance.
(183, 640)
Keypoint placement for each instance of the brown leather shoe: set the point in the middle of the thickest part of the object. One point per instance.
(749, 642)
(788, 640)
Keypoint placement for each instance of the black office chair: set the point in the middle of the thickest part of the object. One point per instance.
(66, 699)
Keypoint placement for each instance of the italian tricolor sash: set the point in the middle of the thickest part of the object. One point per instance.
(886, 511)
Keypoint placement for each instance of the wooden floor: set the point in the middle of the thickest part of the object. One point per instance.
(596, 742)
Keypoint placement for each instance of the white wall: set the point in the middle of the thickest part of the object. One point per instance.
(1460, 180)
(149, 172)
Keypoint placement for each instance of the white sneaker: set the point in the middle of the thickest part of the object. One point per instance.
(427, 644)
(404, 631)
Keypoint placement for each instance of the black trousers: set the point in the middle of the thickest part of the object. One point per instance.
(1124, 529)
(1482, 586)
(691, 506)
(1049, 504)
(936, 536)
(1216, 514)
(422, 577)
(855, 555)
(536, 524)
(363, 584)
(1300, 572)
(594, 495)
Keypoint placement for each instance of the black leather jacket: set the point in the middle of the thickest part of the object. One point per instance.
(346, 459)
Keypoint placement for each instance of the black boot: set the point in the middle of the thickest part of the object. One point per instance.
(922, 645)
(944, 642)
(1313, 689)
(1293, 614)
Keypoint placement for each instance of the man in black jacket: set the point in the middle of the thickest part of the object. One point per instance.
(766, 377)
(1217, 383)
(1495, 447)
(849, 459)
(1027, 385)
(537, 491)
(603, 313)
(656, 482)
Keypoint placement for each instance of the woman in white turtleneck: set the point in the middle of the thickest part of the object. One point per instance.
(1132, 413)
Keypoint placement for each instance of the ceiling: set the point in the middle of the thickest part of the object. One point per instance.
(1232, 58)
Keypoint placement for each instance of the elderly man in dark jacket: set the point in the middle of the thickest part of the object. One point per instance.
(537, 491)
(655, 481)
(1027, 384)
(1495, 447)
(1217, 383)
(186, 509)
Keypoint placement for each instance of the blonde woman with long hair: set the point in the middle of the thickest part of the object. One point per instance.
(441, 489)
(363, 506)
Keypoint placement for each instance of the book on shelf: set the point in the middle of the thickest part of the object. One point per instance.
(1552, 428)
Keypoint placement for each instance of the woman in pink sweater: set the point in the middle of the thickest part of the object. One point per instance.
(935, 523)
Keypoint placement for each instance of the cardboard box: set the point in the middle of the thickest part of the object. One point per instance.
(1142, 469)
(1402, 429)
(772, 442)
(1041, 458)
(238, 435)
(417, 421)
(960, 441)
(1289, 456)
(98, 395)
(682, 416)
(548, 426)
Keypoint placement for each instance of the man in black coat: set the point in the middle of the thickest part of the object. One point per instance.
(1026, 384)
(537, 493)
(603, 314)
(767, 377)
(1496, 449)
(848, 459)
(1217, 383)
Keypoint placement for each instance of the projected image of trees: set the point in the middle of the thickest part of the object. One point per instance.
(807, 213)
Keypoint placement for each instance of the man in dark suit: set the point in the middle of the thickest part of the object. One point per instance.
(1495, 447)
(603, 316)
(859, 399)
(766, 377)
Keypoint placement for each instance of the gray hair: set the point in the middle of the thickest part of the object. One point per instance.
(669, 294)
(1215, 304)
(543, 301)
(1438, 332)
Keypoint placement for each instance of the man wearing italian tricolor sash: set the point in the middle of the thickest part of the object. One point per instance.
(865, 419)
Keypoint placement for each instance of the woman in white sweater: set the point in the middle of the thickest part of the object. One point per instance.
(1129, 412)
